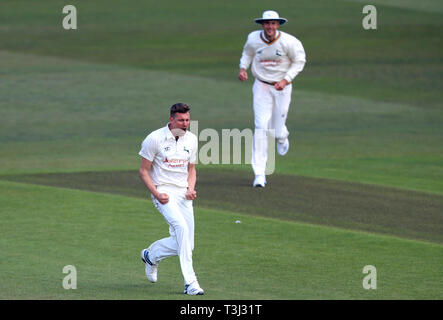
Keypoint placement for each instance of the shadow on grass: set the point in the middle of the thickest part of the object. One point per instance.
(370, 208)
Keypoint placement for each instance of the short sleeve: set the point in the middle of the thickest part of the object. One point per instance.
(148, 148)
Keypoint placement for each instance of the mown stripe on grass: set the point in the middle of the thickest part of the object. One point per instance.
(102, 234)
(355, 206)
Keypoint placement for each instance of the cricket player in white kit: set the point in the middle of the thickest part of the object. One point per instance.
(168, 170)
(277, 58)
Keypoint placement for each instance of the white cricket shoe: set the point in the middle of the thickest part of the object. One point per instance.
(259, 181)
(283, 147)
(194, 289)
(151, 268)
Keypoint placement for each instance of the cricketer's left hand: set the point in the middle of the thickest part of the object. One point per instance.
(191, 194)
(281, 84)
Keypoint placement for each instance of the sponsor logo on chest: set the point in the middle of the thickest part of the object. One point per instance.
(176, 157)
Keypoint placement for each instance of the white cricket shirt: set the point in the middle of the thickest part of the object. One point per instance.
(282, 58)
(170, 158)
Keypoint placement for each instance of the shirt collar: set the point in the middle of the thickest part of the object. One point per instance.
(265, 40)
(169, 135)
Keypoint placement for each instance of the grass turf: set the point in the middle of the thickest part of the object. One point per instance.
(292, 198)
(101, 235)
(53, 120)
(367, 108)
(400, 61)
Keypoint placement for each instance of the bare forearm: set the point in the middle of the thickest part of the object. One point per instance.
(147, 180)
(192, 178)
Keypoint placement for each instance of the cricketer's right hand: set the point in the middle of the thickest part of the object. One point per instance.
(163, 198)
(243, 75)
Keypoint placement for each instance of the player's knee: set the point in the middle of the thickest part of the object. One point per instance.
(260, 132)
(181, 227)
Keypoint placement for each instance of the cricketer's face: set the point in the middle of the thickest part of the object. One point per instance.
(270, 27)
(179, 123)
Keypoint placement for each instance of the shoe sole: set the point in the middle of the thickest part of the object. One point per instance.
(283, 153)
(197, 294)
(259, 185)
(200, 293)
(145, 262)
(151, 280)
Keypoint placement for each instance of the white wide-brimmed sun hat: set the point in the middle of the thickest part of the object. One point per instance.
(270, 15)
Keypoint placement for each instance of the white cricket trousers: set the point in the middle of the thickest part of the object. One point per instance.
(179, 214)
(271, 108)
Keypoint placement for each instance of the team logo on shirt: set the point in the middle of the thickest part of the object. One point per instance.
(175, 163)
(167, 148)
(184, 149)
(277, 53)
(270, 62)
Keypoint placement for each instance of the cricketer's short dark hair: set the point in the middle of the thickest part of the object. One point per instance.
(179, 108)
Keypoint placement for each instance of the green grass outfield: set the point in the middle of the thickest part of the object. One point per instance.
(366, 139)
(259, 258)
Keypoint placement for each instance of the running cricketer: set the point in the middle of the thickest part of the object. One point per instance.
(277, 58)
(168, 171)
